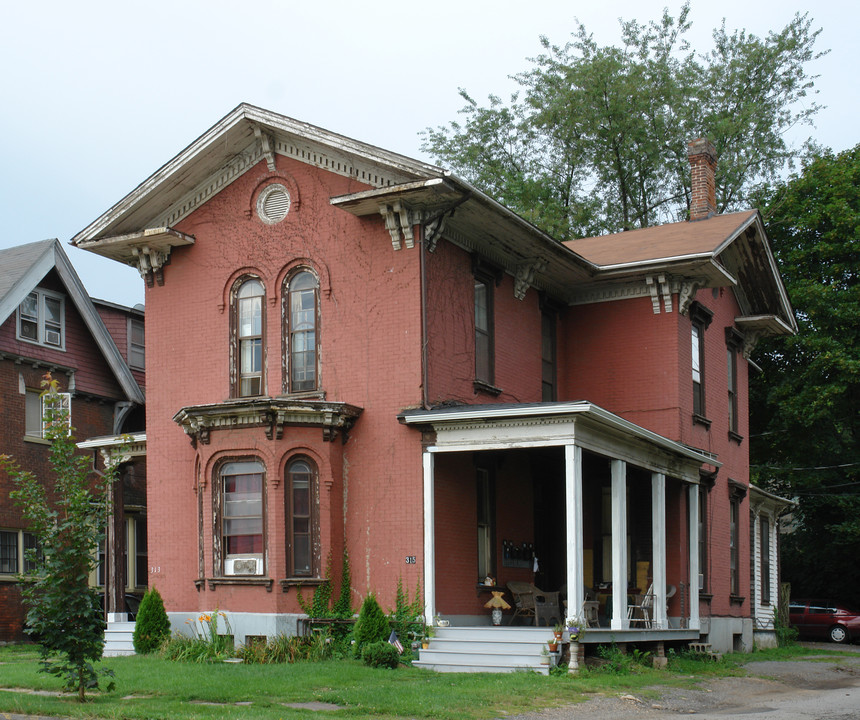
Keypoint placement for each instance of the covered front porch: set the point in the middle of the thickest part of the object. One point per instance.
(571, 500)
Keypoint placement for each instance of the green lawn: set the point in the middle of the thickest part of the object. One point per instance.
(149, 687)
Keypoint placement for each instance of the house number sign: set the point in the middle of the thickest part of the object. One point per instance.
(410, 559)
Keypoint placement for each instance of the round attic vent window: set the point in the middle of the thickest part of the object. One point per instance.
(273, 204)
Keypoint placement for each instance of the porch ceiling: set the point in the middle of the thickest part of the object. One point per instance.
(509, 426)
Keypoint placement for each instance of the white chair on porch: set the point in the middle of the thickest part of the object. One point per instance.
(642, 609)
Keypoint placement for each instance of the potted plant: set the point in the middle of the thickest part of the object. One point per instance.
(558, 631)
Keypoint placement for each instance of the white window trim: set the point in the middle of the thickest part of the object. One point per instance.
(66, 404)
(41, 332)
(132, 344)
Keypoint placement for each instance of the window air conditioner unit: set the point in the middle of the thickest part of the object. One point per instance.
(52, 337)
(701, 581)
(243, 566)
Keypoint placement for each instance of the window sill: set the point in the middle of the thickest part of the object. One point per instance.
(735, 437)
(299, 582)
(701, 420)
(305, 395)
(737, 600)
(481, 387)
(705, 597)
(37, 440)
(253, 581)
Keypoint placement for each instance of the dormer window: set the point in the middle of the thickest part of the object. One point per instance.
(41, 319)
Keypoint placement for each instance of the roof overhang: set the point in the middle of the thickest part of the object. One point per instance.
(501, 427)
(117, 449)
(447, 206)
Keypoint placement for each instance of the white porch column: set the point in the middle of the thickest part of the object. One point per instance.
(619, 545)
(693, 495)
(574, 541)
(658, 548)
(429, 539)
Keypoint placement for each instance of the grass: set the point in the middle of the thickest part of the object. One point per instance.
(152, 688)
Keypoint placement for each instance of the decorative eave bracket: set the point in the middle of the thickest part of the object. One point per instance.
(398, 222)
(267, 146)
(525, 274)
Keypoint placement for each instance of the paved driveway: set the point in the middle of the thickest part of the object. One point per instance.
(819, 688)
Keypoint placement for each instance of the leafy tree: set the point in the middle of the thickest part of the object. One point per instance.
(596, 139)
(805, 405)
(152, 626)
(64, 612)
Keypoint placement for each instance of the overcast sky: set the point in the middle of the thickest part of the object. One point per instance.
(98, 95)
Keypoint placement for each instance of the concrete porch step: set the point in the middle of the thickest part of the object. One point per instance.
(487, 649)
(119, 639)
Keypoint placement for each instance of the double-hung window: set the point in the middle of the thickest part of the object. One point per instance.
(484, 341)
(14, 556)
(734, 344)
(764, 550)
(241, 488)
(301, 333)
(250, 301)
(41, 411)
(700, 318)
(41, 319)
(136, 344)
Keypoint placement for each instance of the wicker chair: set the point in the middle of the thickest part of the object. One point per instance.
(532, 602)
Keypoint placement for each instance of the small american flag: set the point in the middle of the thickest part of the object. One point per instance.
(393, 640)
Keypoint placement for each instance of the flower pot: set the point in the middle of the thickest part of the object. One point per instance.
(553, 647)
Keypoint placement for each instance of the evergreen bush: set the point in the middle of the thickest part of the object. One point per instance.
(380, 655)
(152, 626)
(372, 624)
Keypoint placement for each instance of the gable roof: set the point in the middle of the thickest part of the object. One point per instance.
(722, 250)
(24, 266)
(145, 219)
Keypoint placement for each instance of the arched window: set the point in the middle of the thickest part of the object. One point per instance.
(302, 339)
(249, 338)
(301, 514)
(241, 517)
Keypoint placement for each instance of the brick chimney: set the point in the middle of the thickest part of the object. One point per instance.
(703, 166)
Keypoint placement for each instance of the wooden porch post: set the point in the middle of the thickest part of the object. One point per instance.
(429, 539)
(693, 495)
(114, 569)
(574, 541)
(658, 548)
(619, 545)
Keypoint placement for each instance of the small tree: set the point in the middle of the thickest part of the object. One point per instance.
(152, 626)
(64, 613)
(372, 625)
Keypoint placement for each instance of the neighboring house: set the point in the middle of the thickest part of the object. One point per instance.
(49, 324)
(350, 349)
(766, 509)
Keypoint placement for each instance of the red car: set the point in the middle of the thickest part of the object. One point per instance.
(824, 619)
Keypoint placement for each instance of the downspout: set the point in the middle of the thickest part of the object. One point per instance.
(425, 394)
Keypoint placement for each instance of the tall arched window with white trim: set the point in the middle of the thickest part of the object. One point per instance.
(302, 320)
(249, 312)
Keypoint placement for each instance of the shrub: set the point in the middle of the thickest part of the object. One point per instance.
(152, 627)
(288, 649)
(372, 625)
(381, 655)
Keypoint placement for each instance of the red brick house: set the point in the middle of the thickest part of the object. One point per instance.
(351, 349)
(49, 324)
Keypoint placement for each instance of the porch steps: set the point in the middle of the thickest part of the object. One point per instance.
(486, 649)
(118, 639)
(701, 648)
